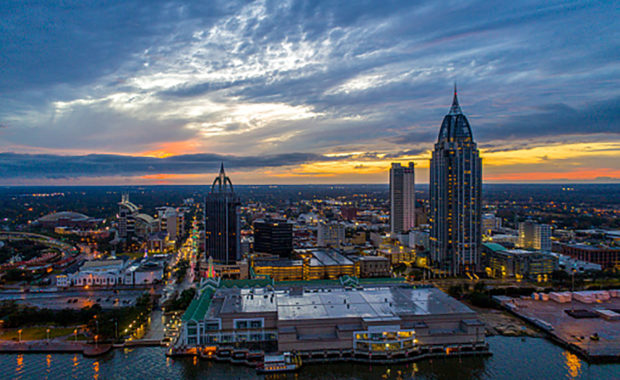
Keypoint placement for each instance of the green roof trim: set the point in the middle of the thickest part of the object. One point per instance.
(382, 280)
(494, 247)
(250, 283)
(198, 307)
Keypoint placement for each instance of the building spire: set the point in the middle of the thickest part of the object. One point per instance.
(455, 109)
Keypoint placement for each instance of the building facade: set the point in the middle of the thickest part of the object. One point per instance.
(402, 198)
(534, 236)
(274, 237)
(455, 196)
(371, 322)
(222, 238)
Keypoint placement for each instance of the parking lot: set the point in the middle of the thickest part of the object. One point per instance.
(577, 331)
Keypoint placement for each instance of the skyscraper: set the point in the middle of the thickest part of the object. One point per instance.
(222, 241)
(455, 196)
(534, 236)
(273, 236)
(402, 198)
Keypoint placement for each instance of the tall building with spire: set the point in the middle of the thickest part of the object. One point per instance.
(222, 242)
(455, 196)
(402, 198)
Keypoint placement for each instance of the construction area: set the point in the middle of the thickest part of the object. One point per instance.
(587, 322)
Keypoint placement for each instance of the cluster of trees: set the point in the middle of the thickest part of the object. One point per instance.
(15, 315)
(182, 301)
(107, 324)
(180, 270)
(27, 249)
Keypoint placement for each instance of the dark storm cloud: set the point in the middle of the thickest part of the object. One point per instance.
(552, 120)
(557, 120)
(369, 72)
(15, 165)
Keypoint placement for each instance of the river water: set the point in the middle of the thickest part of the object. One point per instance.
(513, 358)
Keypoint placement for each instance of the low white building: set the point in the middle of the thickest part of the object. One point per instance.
(98, 273)
(112, 272)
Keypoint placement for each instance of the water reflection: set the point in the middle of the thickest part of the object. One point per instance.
(20, 364)
(513, 359)
(573, 363)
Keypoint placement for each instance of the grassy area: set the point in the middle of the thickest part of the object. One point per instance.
(36, 333)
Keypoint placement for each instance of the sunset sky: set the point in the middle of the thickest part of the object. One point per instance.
(153, 92)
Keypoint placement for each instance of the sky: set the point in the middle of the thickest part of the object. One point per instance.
(295, 92)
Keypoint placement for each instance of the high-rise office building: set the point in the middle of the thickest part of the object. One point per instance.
(455, 196)
(534, 236)
(222, 241)
(402, 198)
(274, 237)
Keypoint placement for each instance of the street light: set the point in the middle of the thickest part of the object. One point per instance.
(75, 334)
(20, 334)
(48, 335)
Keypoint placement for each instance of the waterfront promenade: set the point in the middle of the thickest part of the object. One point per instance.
(54, 346)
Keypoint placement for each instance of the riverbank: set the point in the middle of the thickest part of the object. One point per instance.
(54, 346)
(513, 358)
(500, 322)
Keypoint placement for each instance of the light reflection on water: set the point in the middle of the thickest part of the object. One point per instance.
(513, 358)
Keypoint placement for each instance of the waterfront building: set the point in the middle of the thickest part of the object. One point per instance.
(274, 237)
(369, 321)
(330, 234)
(222, 235)
(402, 198)
(455, 196)
(534, 236)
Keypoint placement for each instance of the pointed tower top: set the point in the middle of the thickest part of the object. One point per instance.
(455, 109)
(222, 181)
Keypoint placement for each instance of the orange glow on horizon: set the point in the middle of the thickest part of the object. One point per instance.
(175, 148)
(585, 174)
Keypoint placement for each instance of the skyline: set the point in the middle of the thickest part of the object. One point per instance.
(293, 93)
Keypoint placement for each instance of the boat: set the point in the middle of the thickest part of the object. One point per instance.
(285, 362)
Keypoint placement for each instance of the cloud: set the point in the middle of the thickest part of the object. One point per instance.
(265, 78)
(15, 165)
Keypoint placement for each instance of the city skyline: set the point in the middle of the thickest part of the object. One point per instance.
(296, 94)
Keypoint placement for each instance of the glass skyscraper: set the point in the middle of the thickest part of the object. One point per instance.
(222, 241)
(402, 198)
(455, 196)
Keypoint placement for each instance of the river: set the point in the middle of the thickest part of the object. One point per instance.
(513, 358)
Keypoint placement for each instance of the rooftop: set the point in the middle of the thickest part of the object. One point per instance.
(372, 302)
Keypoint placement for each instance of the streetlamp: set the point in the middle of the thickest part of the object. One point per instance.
(75, 334)
(19, 332)
(96, 340)
(48, 335)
